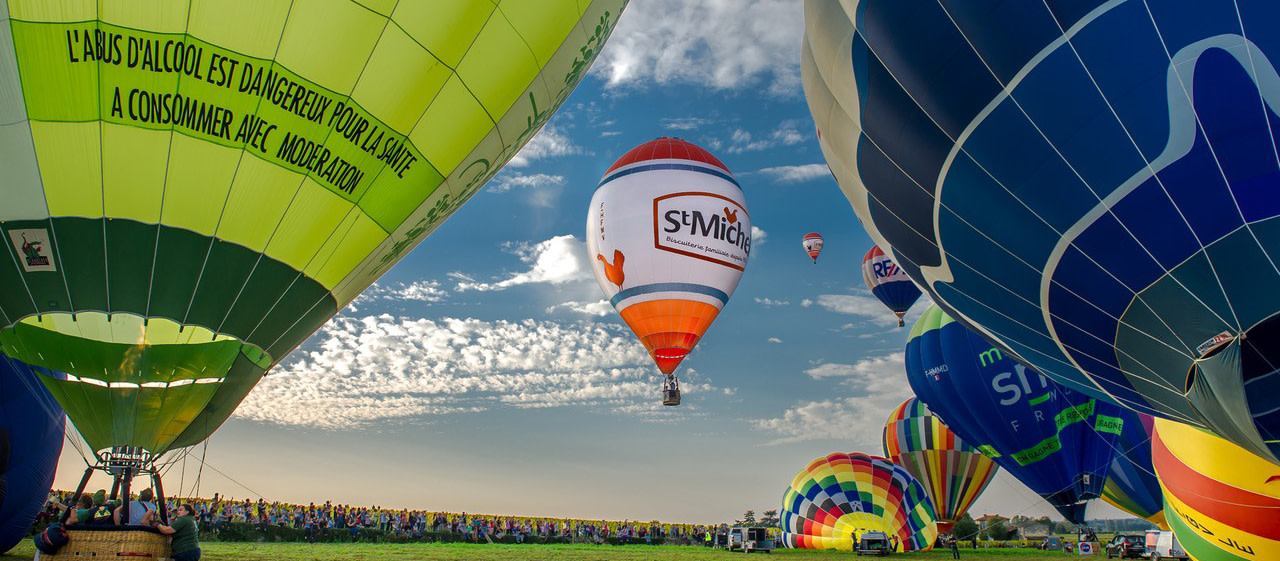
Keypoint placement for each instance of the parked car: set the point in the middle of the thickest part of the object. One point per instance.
(1162, 544)
(1127, 546)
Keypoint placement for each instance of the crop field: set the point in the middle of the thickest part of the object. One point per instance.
(224, 551)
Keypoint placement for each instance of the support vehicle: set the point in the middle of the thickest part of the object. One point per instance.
(874, 543)
(1162, 544)
(750, 539)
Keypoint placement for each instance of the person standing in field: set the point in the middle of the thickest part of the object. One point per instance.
(186, 534)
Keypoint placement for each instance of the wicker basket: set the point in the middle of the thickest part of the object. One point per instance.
(104, 544)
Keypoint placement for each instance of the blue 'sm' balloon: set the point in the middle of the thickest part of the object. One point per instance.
(1058, 442)
(31, 426)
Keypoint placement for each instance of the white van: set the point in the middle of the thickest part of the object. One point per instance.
(1164, 545)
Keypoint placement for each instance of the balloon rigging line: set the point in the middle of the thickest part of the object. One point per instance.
(1154, 176)
(205, 452)
(1157, 381)
(239, 161)
(1209, 143)
(1067, 35)
(1253, 66)
(1160, 382)
(298, 190)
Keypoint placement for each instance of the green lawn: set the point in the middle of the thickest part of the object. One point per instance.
(221, 551)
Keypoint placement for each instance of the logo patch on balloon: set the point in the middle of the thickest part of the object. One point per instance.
(691, 224)
(33, 249)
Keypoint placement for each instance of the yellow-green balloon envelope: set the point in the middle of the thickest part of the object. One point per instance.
(191, 188)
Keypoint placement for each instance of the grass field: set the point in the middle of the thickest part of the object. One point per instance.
(218, 551)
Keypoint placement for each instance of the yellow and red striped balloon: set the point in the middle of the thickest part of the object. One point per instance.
(953, 472)
(1222, 501)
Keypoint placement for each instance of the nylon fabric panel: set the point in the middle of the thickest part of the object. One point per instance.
(1047, 437)
(1107, 164)
(202, 174)
(31, 429)
(1221, 499)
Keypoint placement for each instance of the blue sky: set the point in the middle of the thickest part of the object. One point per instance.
(485, 372)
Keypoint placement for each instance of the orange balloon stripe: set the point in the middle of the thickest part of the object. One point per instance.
(669, 328)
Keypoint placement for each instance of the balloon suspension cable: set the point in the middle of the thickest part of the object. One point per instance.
(122, 463)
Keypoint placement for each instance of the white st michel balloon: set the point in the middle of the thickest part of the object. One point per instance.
(669, 235)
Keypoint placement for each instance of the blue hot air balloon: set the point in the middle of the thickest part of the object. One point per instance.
(1132, 485)
(888, 283)
(1107, 170)
(1058, 442)
(31, 426)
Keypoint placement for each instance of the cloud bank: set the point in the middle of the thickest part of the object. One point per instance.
(378, 368)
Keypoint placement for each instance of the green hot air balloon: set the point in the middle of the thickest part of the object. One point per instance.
(192, 188)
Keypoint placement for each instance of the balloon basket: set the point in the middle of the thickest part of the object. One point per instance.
(671, 398)
(671, 391)
(108, 542)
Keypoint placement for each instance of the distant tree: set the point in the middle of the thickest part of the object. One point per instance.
(1020, 521)
(769, 519)
(1064, 527)
(965, 528)
(749, 518)
(996, 530)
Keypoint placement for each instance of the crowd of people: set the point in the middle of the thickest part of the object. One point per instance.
(316, 520)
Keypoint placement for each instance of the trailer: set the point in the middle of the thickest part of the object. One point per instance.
(750, 539)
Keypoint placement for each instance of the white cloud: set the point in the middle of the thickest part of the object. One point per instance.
(719, 44)
(548, 143)
(381, 368)
(597, 308)
(757, 236)
(741, 140)
(428, 291)
(771, 302)
(508, 180)
(775, 340)
(558, 260)
(806, 303)
(684, 123)
(879, 384)
(863, 369)
(870, 308)
(796, 174)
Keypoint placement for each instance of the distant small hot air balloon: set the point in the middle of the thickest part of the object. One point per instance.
(888, 283)
(813, 245)
(669, 235)
(842, 494)
(952, 471)
(1222, 501)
